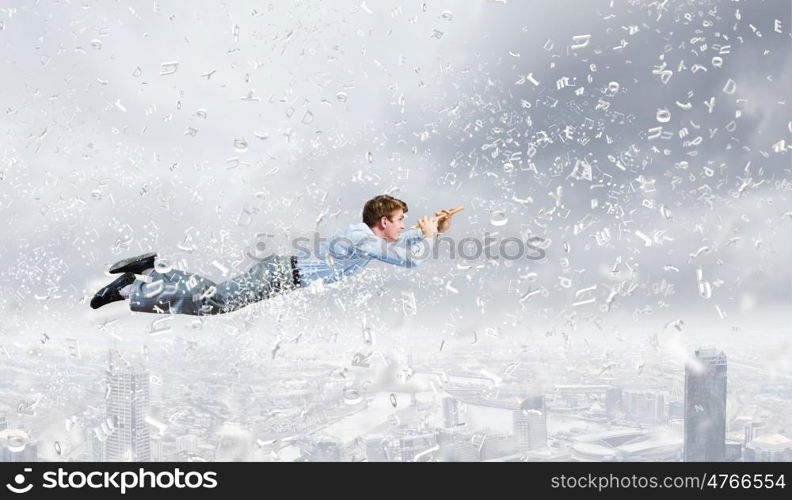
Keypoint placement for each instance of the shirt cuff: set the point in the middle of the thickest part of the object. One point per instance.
(413, 235)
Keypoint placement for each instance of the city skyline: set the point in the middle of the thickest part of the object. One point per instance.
(127, 400)
(450, 415)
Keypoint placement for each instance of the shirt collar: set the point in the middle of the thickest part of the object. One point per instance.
(362, 226)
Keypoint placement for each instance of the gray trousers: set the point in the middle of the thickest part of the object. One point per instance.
(179, 292)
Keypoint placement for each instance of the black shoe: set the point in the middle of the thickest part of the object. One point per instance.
(134, 265)
(110, 293)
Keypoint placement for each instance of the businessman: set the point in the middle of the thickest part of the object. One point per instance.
(381, 236)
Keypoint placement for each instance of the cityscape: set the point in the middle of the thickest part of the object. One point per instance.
(404, 408)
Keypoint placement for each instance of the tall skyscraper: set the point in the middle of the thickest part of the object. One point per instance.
(530, 424)
(644, 406)
(156, 449)
(95, 443)
(451, 409)
(752, 429)
(705, 407)
(127, 404)
(613, 401)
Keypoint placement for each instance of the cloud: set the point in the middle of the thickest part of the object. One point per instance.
(275, 116)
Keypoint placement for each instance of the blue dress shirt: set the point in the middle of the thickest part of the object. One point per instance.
(350, 250)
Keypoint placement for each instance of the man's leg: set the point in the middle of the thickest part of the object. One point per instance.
(267, 278)
(175, 291)
(185, 293)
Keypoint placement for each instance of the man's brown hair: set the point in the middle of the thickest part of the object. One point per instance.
(381, 206)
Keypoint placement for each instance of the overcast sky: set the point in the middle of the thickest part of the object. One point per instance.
(645, 143)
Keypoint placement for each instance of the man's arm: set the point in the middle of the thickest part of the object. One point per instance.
(409, 251)
(409, 237)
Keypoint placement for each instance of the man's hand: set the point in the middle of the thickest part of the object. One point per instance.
(443, 220)
(428, 226)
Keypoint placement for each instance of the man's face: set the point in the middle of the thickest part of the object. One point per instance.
(394, 226)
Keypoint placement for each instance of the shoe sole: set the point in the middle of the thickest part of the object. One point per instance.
(109, 293)
(122, 265)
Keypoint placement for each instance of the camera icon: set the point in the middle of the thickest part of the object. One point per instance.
(258, 252)
(19, 479)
